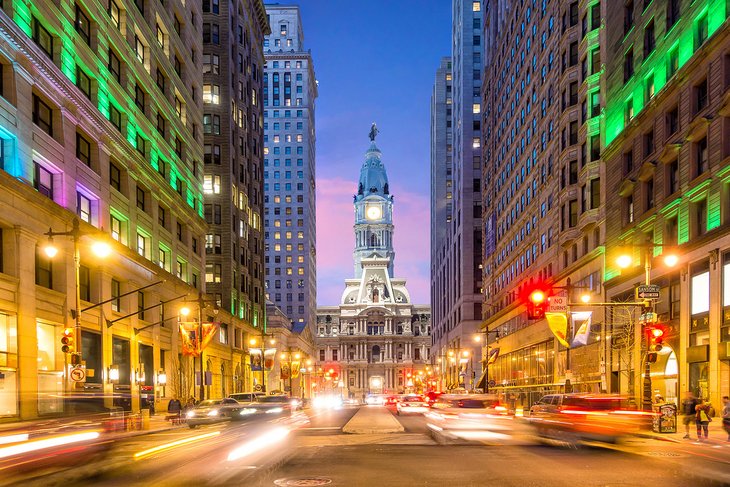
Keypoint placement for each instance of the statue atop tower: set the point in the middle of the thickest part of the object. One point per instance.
(373, 210)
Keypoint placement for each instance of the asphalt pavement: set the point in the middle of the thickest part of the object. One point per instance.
(316, 450)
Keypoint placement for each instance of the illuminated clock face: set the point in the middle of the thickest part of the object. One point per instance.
(373, 212)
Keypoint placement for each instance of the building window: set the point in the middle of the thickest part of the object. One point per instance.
(673, 121)
(43, 180)
(83, 82)
(672, 13)
(702, 32)
(115, 177)
(84, 283)
(673, 62)
(42, 115)
(114, 66)
(116, 225)
(649, 39)
(82, 25)
(628, 16)
(628, 65)
(212, 154)
(116, 291)
(114, 13)
(83, 149)
(43, 269)
(211, 184)
(139, 49)
(212, 273)
(672, 176)
(211, 94)
(143, 245)
(699, 214)
(42, 37)
(115, 117)
(141, 196)
(211, 124)
(139, 97)
(595, 193)
(83, 207)
(700, 95)
(211, 64)
(702, 163)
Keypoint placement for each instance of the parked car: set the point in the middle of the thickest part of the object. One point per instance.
(592, 417)
(469, 417)
(412, 405)
(213, 411)
(244, 397)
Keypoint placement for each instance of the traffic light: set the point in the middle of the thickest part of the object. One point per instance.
(67, 341)
(537, 301)
(655, 338)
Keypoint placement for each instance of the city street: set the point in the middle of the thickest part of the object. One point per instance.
(319, 453)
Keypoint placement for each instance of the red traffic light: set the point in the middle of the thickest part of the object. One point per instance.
(537, 296)
(655, 337)
(657, 333)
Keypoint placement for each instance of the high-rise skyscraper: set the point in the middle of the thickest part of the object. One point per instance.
(290, 90)
(233, 73)
(543, 199)
(456, 251)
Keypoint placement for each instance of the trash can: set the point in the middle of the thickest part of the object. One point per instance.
(665, 418)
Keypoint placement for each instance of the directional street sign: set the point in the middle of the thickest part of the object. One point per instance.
(648, 291)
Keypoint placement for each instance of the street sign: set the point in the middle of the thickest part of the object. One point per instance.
(78, 374)
(557, 304)
(648, 291)
(648, 318)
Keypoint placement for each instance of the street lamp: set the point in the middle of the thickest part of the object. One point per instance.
(100, 249)
(624, 260)
(184, 312)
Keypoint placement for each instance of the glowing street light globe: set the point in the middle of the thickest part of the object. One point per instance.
(670, 260)
(101, 249)
(50, 250)
(624, 261)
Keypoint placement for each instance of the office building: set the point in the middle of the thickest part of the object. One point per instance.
(544, 207)
(456, 251)
(290, 91)
(667, 146)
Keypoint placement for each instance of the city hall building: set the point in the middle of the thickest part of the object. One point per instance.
(375, 340)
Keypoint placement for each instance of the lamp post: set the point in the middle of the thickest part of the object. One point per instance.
(624, 261)
(478, 339)
(101, 249)
(202, 303)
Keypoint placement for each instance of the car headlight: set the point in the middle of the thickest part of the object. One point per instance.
(275, 410)
(213, 412)
(190, 414)
(295, 402)
(247, 411)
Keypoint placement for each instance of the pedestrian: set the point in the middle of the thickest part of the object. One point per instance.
(689, 414)
(726, 415)
(174, 407)
(702, 418)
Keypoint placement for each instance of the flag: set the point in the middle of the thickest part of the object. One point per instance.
(189, 338)
(284, 374)
(269, 356)
(492, 356)
(208, 333)
(295, 369)
(582, 320)
(255, 355)
(558, 324)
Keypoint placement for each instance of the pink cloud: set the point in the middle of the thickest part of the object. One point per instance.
(335, 240)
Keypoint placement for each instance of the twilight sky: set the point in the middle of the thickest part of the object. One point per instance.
(375, 61)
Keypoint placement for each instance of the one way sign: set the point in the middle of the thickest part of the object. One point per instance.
(648, 291)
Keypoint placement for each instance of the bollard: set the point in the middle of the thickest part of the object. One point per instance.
(145, 419)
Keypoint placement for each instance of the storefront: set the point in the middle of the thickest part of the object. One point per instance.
(8, 366)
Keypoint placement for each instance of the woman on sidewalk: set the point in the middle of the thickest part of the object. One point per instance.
(726, 415)
(703, 418)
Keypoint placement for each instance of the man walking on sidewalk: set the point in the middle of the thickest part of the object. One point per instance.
(689, 414)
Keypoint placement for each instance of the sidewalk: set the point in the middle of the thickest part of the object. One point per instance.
(715, 432)
(40, 427)
(373, 420)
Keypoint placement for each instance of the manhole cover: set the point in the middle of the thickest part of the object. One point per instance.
(663, 454)
(302, 481)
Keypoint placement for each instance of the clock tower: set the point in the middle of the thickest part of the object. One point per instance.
(373, 211)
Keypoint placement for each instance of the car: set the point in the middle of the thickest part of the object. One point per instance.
(244, 397)
(212, 411)
(572, 418)
(412, 405)
(375, 399)
(470, 417)
(391, 401)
